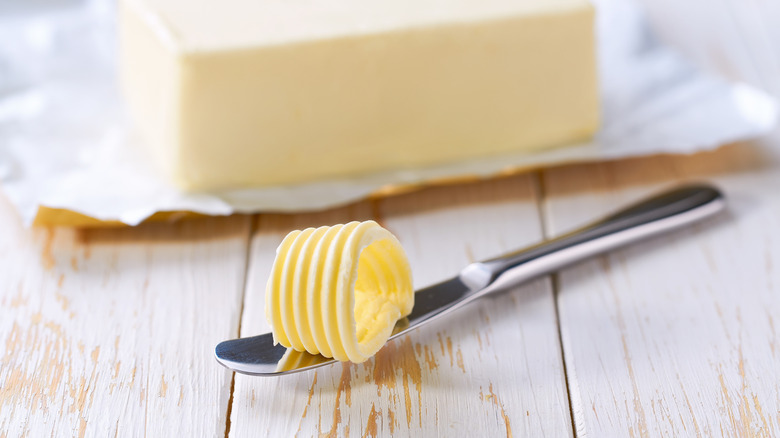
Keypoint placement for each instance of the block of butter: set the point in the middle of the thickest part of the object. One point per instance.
(242, 93)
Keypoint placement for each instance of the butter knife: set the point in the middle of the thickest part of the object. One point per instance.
(258, 356)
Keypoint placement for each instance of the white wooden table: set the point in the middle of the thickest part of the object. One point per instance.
(111, 332)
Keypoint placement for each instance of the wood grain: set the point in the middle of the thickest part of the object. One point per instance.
(493, 369)
(111, 332)
(677, 336)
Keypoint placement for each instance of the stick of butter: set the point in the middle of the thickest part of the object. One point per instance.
(242, 93)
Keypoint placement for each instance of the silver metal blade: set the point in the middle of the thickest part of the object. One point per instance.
(258, 356)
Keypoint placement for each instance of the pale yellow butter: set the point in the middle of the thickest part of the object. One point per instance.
(338, 291)
(266, 92)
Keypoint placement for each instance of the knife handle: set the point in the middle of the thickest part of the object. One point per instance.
(656, 215)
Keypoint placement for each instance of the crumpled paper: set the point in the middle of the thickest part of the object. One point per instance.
(66, 142)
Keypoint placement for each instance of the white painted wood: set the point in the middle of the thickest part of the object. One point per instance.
(111, 332)
(677, 336)
(493, 369)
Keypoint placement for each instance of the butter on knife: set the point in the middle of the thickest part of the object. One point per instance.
(338, 291)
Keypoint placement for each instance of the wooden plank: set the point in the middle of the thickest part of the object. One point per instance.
(493, 369)
(677, 336)
(112, 332)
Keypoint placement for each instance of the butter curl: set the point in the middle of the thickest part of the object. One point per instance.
(338, 291)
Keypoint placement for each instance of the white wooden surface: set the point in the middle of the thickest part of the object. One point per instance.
(111, 332)
(493, 368)
(677, 336)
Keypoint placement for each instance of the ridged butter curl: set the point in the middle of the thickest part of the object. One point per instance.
(338, 291)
